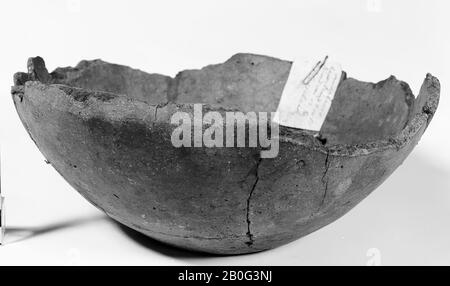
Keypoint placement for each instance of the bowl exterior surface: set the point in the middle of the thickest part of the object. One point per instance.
(117, 153)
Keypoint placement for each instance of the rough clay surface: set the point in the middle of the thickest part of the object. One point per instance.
(106, 129)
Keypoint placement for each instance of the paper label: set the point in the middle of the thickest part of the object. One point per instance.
(308, 93)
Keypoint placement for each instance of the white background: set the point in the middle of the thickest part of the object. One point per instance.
(405, 221)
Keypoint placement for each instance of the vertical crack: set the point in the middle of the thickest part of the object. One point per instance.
(155, 116)
(249, 232)
(325, 179)
(158, 106)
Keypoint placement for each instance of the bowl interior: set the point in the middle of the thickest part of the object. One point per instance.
(361, 112)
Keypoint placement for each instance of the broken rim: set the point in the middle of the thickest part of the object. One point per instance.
(421, 111)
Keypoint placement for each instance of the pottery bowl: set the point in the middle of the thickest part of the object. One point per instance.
(107, 130)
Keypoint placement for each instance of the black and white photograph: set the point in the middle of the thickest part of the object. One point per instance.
(225, 133)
